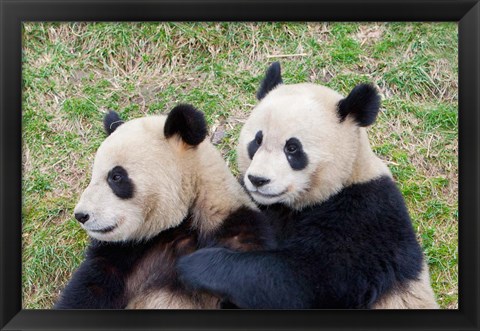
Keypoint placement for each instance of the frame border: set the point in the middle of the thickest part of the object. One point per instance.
(13, 13)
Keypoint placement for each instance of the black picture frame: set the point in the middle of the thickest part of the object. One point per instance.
(465, 12)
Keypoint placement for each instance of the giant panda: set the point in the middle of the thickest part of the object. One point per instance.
(345, 236)
(158, 191)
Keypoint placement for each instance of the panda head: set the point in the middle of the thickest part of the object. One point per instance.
(301, 143)
(138, 186)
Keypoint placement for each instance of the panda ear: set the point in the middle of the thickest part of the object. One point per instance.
(187, 122)
(111, 122)
(273, 77)
(363, 104)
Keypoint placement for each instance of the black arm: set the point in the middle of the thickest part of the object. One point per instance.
(256, 280)
(280, 279)
(96, 284)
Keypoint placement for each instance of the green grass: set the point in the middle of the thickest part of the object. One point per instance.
(73, 73)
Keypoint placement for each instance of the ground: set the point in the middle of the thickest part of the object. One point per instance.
(74, 72)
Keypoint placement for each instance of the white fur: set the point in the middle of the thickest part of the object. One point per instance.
(308, 113)
(170, 179)
(140, 148)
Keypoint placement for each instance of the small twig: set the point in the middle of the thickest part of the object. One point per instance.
(287, 55)
(59, 161)
(391, 162)
(428, 145)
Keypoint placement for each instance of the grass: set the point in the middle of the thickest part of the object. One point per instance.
(74, 72)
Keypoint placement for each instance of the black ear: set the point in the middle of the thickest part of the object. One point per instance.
(273, 77)
(363, 104)
(111, 122)
(188, 122)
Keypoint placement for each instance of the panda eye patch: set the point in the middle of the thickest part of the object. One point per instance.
(255, 144)
(296, 156)
(121, 185)
(259, 138)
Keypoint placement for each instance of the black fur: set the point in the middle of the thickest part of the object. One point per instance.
(188, 122)
(363, 104)
(120, 183)
(111, 122)
(100, 281)
(295, 154)
(272, 79)
(244, 230)
(344, 253)
(255, 144)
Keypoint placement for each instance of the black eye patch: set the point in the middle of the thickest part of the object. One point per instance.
(120, 183)
(295, 155)
(255, 144)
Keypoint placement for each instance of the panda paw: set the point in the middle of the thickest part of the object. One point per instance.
(204, 270)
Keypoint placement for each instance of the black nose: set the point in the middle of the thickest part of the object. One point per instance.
(258, 181)
(81, 217)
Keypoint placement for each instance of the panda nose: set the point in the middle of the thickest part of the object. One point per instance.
(81, 217)
(258, 181)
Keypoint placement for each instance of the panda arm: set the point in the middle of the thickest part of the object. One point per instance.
(96, 284)
(279, 279)
(255, 280)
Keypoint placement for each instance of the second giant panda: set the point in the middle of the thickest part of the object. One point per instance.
(158, 191)
(345, 235)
